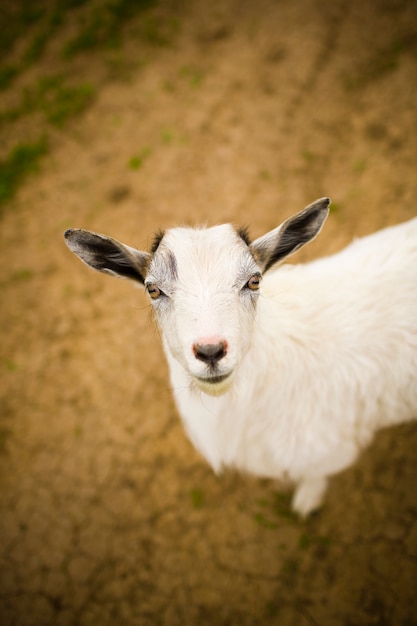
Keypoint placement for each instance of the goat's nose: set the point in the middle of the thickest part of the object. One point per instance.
(210, 352)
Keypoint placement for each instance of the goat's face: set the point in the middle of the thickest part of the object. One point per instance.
(204, 285)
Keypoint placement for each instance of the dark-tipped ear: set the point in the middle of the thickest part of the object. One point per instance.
(108, 255)
(291, 235)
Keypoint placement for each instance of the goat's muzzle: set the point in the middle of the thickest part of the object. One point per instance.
(209, 351)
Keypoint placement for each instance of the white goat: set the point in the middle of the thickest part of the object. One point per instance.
(288, 375)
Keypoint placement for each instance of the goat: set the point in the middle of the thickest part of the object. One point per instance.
(285, 374)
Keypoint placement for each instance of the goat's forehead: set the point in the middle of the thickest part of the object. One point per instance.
(189, 243)
(202, 248)
(216, 236)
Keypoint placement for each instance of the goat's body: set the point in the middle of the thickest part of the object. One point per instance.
(333, 358)
(291, 377)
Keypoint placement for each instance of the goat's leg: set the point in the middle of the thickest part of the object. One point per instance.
(309, 494)
(311, 487)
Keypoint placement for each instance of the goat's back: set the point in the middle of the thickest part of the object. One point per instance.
(348, 323)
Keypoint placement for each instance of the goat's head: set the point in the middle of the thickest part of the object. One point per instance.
(203, 285)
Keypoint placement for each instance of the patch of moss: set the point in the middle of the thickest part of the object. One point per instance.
(54, 98)
(137, 161)
(103, 27)
(193, 75)
(159, 30)
(7, 75)
(21, 161)
(197, 498)
(382, 62)
(66, 102)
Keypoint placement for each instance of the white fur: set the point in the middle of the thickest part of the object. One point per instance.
(332, 358)
(318, 360)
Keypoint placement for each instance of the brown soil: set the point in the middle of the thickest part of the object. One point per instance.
(108, 515)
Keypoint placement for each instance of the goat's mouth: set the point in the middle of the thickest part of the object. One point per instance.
(213, 380)
(214, 385)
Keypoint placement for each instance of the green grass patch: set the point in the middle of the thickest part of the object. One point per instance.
(52, 97)
(37, 23)
(264, 521)
(21, 161)
(66, 102)
(65, 5)
(197, 498)
(7, 75)
(22, 275)
(167, 136)
(172, 137)
(304, 542)
(168, 86)
(100, 25)
(11, 366)
(17, 17)
(273, 510)
(39, 41)
(382, 62)
(103, 27)
(192, 75)
(359, 166)
(137, 161)
(11, 115)
(334, 207)
(265, 175)
(158, 30)
(281, 506)
(308, 156)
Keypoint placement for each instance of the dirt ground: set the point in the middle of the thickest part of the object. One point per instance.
(108, 515)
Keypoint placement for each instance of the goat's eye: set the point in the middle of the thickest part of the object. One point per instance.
(254, 282)
(153, 291)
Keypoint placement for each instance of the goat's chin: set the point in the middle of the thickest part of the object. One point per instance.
(213, 387)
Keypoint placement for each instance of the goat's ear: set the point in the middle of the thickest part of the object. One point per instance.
(291, 235)
(108, 255)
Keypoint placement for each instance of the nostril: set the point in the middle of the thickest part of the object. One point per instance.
(210, 353)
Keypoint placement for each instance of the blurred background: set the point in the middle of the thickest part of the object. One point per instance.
(124, 117)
